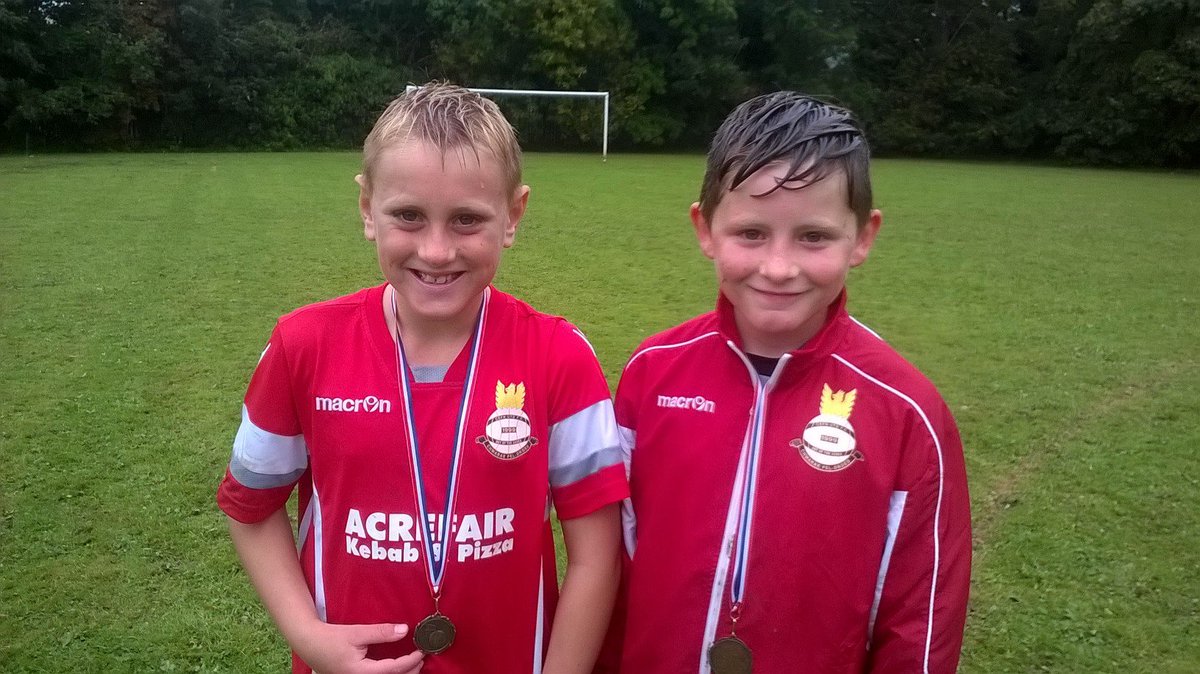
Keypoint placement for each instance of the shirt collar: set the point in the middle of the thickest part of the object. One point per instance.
(819, 345)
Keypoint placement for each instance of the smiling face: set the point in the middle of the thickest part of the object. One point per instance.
(440, 221)
(782, 257)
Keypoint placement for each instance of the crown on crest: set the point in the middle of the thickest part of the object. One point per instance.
(510, 397)
(837, 404)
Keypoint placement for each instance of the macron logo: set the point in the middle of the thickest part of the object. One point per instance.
(367, 404)
(698, 403)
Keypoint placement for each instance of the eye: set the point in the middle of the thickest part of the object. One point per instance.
(813, 237)
(468, 220)
(752, 234)
(407, 215)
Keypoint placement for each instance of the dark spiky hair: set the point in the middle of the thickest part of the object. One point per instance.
(814, 139)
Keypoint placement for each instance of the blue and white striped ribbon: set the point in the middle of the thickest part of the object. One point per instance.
(737, 589)
(435, 565)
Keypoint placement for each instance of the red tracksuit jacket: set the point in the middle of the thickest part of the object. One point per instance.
(849, 552)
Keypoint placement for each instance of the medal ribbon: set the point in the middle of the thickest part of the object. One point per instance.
(737, 589)
(435, 565)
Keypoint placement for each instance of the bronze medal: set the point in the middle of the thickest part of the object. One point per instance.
(730, 655)
(435, 634)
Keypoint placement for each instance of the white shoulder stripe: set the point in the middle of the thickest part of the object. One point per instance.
(937, 513)
(670, 346)
(585, 340)
(864, 327)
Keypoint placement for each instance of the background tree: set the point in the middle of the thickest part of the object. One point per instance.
(1098, 81)
(19, 65)
(1041, 38)
(936, 76)
(94, 66)
(1129, 86)
(395, 32)
(804, 45)
(687, 68)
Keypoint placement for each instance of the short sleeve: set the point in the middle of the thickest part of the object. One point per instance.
(269, 451)
(586, 471)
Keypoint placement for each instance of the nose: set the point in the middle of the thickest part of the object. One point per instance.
(437, 247)
(778, 264)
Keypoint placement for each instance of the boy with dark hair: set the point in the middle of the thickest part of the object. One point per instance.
(798, 493)
(429, 422)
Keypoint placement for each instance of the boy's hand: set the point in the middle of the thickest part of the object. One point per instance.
(342, 649)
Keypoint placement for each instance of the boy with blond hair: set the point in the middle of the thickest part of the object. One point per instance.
(428, 423)
(798, 494)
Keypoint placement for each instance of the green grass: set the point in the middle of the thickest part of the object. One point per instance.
(1056, 309)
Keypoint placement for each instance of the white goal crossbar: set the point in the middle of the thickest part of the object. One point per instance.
(540, 92)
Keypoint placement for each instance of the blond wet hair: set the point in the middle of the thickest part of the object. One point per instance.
(450, 118)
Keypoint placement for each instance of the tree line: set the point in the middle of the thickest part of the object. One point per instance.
(1093, 81)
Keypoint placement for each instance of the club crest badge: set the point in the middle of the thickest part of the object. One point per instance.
(508, 433)
(828, 442)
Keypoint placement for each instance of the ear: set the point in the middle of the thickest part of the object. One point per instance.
(516, 211)
(866, 238)
(364, 207)
(703, 229)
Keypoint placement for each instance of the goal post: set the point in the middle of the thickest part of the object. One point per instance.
(542, 92)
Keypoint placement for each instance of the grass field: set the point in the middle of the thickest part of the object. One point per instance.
(1056, 308)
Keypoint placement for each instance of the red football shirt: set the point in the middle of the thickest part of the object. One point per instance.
(324, 412)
